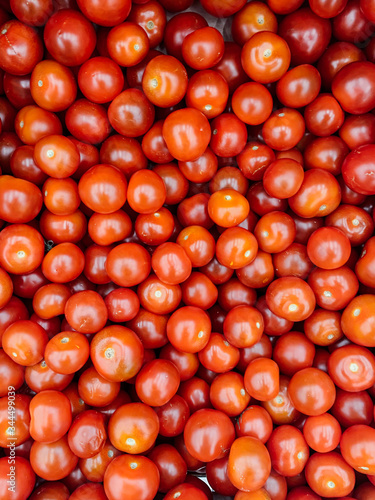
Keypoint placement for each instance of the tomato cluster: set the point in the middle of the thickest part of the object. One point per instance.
(187, 249)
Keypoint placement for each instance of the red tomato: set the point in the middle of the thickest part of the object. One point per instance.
(133, 428)
(262, 379)
(265, 57)
(322, 432)
(51, 416)
(130, 113)
(211, 425)
(157, 382)
(249, 464)
(69, 37)
(288, 450)
(21, 489)
(53, 461)
(137, 475)
(164, 81)
(20, 48)
(53, 86)
(187, 134)
(312, 391)
(110, 347)
(87, 434)
(328, 474)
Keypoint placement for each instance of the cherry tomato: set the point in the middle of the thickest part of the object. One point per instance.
(328, 474)
(53, 86)
(187, 134)
(110, 347)
(107, 13)
(250, 19)
(352, 368)
(21, 48)
(319, 194)
(299, 86)
(164, 81)
(288, 450)
(312, 391)
(211, 426)
(52, 461)
(281, 408)
(262, 379)
(207, 92)
(173, 416)
(228, 394)
(243, 326)
(185, 491)
(8, 476)
(323, 116)
(133, 428)
(137, 475)
(88, 122)
(357, 319)
(283, 129)
(203, 48)
(322, 432)
(128, 264)
(127, 44)
(363, 99)
(87, 434)
(50, 415)
(100, 79)
(151, 386)
(123, 153)
(69, 37)
(189, 329)
(265, 57)
(306, 34)
(24, 341)
(245, 452)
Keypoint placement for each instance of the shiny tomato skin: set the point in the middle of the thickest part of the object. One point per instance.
(110, 347)
(356, 447)
(249, 464)
(20, 47)
(47, 407)
(185, 491)
(148, 383)
(128, 264)
(208, 424)
(53, 86)
(358, 170)
(288, 450)
(299, 29)
(53, 461)
(69, 37)
(100, 79)
(25, 486)
(133, 428)
(312, 391)
(329, 475)
(21, 249)
(357, 320)
(107, 13)
(20, 200)
(172, 467)
(135, 477)
(362, 99)
(322, 432)
(87, 434)
(187, 134)
(265, 57)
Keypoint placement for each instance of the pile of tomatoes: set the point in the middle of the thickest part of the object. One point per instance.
(187, 249)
